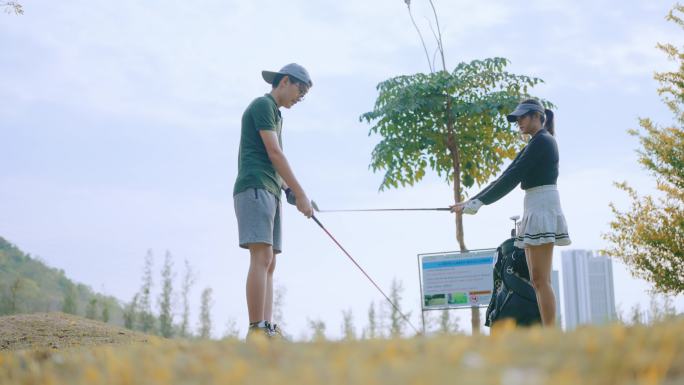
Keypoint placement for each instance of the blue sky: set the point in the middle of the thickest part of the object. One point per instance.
(120, 129)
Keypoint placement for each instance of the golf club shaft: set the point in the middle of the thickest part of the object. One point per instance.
(362, 210)
(366, 274)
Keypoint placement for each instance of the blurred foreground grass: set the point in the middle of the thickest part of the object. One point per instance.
(612, 354)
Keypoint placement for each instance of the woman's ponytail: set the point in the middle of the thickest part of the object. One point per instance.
(548, 122)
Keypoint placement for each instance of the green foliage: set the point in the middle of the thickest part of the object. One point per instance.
(397, 323)
(317, 329)
(130, 313)
(348, 330)
(372, 330)
(205, 314)
(69, 305)
(423, 117)
(649, 236)
(661, 310)
(165, 310)
(12, 7)
(146, 320)
(28, 285)
(232, 330)
(188, 282)
(23, 293)
(279, 305)
(91, 309)
(447, 325)
(105, 312)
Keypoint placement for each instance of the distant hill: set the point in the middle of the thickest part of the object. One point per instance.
(28, 285)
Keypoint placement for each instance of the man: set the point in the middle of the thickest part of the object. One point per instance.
(263, 170)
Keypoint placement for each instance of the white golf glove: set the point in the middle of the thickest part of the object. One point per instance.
(472, 206)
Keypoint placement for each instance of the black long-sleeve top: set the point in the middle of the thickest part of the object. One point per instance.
(536, 165)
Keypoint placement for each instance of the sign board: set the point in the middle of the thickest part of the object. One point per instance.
(456, 280)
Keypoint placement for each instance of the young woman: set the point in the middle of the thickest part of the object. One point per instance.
(543, 224)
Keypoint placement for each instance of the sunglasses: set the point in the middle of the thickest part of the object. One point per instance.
(303, 89)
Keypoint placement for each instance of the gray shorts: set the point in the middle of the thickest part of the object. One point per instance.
(258, 216)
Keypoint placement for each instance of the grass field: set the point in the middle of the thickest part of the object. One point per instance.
(613, 354)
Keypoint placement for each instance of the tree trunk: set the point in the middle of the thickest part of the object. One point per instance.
(452, 142)
(475, 319)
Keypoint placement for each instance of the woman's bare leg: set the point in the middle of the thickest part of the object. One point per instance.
(540, 260)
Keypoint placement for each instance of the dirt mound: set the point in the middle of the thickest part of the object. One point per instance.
(59, 331)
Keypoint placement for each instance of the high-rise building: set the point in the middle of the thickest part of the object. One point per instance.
(588, 288)
(555, 283)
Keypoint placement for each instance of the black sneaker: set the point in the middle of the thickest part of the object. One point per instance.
(276, 332)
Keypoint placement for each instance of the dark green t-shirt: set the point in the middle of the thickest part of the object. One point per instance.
(255, 169)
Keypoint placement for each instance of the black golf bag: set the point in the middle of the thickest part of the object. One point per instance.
(513, 295)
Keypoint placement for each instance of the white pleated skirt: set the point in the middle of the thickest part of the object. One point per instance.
(543, 220)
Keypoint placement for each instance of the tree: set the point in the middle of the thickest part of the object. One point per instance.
(397, 323)
(372, 330)
(232, 331)
(452, 122)
(348, 330)
(447, 325)
(637, 315)
(27, 284)
(188, 282)
(14, 292)
(317, 329)
(91, 309)
(12, 7)
(165, 297)
(649, 236)
(130, 313)
(6, 304)
(105, 312)
(69, 305)
(146, 318)
(659, 311)
(205, 314)
(278, 305)
(22, 296)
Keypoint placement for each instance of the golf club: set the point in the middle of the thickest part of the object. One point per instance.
(315, 207)
(364, 272)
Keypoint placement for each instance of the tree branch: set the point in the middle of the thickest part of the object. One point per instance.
(439, 33)
(427, 56)
(12, 7)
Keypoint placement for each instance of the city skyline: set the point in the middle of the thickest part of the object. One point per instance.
(588, 288)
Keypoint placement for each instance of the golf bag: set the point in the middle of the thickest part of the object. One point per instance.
(513, 295)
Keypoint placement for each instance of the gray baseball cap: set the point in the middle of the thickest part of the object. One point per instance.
(292, 69)
(522, 109)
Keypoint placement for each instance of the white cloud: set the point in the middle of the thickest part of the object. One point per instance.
(188, 65)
